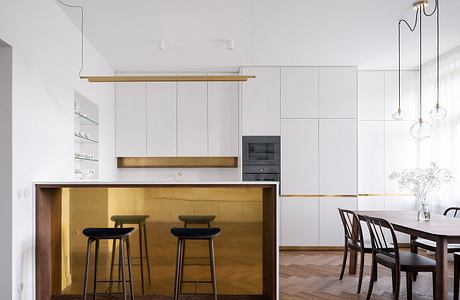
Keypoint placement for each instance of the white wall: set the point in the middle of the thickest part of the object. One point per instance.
(6, 165)
(46, 61)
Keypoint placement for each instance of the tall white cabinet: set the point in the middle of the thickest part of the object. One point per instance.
(318, 153)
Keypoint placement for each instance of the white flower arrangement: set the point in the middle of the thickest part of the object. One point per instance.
(422, 181)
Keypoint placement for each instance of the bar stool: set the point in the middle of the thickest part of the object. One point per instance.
(182, 235)
(197, 220)
(97, 234)
(139, 220)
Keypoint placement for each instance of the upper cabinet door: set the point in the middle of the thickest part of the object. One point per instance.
(338, 157)
(299, 92)
(192, 119)
(261, 101)
(371, 95)
(223, 118)
(338, 92)
(299, 157)
(161, 119)
(130, 119)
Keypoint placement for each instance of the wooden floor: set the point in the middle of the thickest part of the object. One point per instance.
(315, 275)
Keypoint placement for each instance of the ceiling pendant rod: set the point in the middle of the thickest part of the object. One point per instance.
(399, 114)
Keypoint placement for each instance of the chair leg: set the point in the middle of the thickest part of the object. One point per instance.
(112, 263)
(374, 270)
(372, 280)
(456, 275)
(361, 271)
(178, 268)
(345, 253)
(397, 284)
(147, 253)
(96, 256)
(141, 258)
(123, 279)
(213, 268)
(128, 254)
(414, 249)
(393, 282)
(409, 285)
(85, 280)
(433, 278)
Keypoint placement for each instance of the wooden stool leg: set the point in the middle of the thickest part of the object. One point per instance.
(112, 263)
(147, 252)
(213, 268)
(128, 253)
(141, 257)
(178, 268)
(96, 256)
(123, 279)
(182, 259)
(85, 280)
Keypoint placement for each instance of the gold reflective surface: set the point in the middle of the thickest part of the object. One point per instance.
(238, 249)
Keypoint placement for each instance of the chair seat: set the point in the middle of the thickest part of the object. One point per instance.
(409, 262)
(107, 233)
(129, 219)
(430, 245)
(195, 233)
(203, 219)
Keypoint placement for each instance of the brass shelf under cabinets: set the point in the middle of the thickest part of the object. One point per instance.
(178, 162)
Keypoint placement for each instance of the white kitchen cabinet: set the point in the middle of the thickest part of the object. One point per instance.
(131, 119)
(330, 225)
(299, 221)
(261, 101)
(371, 157)
(337, 157)
(161, 119)
(371, 95)
(192, 133)
(409, 94)
(299, 92)
(371, 203)
(299, 157)
(338, 92)
(223, 118)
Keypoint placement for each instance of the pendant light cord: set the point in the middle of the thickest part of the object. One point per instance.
(436, 10)
(412, 29)
(420, 67)
(81, 31)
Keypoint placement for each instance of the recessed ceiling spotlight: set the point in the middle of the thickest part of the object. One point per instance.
(161, 45)
(231, 45)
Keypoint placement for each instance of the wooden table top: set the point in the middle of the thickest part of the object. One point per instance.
(406, 221)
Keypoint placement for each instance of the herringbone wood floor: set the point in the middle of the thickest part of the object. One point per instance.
(315, 275)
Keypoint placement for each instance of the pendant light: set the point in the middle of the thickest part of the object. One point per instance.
(420, 130)
(398, 115)
(437, 113)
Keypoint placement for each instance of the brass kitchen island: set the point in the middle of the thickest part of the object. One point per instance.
(246, 251)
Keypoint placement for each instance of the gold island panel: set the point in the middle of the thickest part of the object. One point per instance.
(238, 250)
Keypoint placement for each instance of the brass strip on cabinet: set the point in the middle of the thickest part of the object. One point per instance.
(177, 162)
(346, 196)
(166, 78)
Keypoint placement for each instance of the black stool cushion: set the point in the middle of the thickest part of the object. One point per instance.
(129, 219)
(195, 233)
(107, 233)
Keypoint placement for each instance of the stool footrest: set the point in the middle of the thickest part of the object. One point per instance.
(111, 281)
(196, 281)
(193, 294)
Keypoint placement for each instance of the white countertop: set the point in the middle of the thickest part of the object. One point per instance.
(94, 182)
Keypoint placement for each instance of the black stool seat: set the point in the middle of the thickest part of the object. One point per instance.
(195, 233)
(107, 233)
(129, 219)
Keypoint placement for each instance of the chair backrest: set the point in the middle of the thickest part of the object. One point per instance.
(381, 232)
(351, 226)
(452, 212)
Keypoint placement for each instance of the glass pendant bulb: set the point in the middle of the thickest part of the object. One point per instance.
(438, 113)
(421, 130)
(398, 115)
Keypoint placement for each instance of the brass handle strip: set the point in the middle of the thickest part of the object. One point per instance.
(167, 78)
(345, 196)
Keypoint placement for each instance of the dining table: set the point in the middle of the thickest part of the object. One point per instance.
(441, 229)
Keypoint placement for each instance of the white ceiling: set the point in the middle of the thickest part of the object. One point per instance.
(361, 33)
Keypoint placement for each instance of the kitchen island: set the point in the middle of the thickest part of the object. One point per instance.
(246, 251)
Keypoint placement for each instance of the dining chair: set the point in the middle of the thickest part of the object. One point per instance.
(353, 240)
(431, 245)
(382, 237)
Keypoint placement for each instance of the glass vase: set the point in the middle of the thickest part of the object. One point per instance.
(423, 213)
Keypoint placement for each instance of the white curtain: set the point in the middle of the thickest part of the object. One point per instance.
(443, 147)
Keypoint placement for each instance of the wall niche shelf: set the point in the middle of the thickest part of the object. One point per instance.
(178, 162)
(86, 135)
